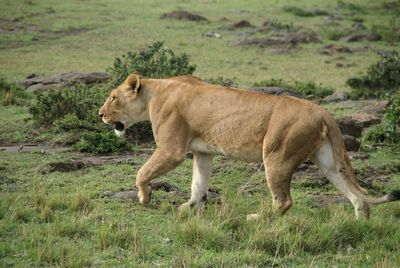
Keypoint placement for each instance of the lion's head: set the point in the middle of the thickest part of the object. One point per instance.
(125, 105)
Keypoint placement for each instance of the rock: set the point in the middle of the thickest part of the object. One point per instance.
(164, 186)
(333, 48)
(253, 217)
(352, 144)
(361, 37)
(240, 24)
(64, 166)
(358, 155)
(212, 34)
(292, 38)
(277, 91)
(183, 15)
(349, 126)
(365, 119)
(337, 96)
(38, 83)
(302, 37)
(257, 41)
(376, 108)
(121, 195)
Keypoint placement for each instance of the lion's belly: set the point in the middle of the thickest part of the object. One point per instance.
(246, 152)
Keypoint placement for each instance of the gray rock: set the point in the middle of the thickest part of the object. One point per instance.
(337, 96)
(278, 91)
(366, 119)
(361, 37)
(38, 83)
(352, 144)
(349, 126)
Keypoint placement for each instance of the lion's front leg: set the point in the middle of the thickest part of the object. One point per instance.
(159, 163)
(202, 169)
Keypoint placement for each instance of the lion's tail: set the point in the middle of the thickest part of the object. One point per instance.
(343, 165)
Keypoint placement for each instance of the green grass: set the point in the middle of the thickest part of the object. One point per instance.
(63, 219)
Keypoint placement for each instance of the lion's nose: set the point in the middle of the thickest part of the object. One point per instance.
(101, 114)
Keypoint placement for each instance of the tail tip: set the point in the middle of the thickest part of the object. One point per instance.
(394, 195)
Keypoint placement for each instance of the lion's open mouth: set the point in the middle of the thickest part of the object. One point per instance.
(119, 126)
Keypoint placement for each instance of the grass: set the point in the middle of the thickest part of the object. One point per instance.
(63, 218)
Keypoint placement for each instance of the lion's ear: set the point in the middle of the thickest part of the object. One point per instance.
(133, 81)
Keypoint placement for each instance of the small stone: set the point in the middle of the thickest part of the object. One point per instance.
(253, 217)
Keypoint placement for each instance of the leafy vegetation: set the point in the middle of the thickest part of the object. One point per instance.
(389, 131)
(304, 88)
(382, 78)
(156, 61)
(103, 142)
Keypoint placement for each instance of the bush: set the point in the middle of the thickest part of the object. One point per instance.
(63, 106)
(389, 131)
(100, 142)
(304, 88)
(382, 78)
(75, 110)
(155, 62)
(12, 94)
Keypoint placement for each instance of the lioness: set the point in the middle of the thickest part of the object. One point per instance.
(188, 114)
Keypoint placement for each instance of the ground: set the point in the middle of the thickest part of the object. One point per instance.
(67, 218)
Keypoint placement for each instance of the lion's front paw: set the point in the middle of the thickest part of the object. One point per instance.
(144, 194)
(191, 204)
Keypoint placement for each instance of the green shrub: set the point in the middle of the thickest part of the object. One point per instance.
(12, 94)
(100, 142)
(63, 106)
(389, 131)
(304, 88)
(155, 62)
(382, 78)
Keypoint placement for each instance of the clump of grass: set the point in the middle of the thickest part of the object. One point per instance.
(81, 203)
(12, 94)
(382, 78)
(72, 228)
(199, 232)
(121, 235)
(304, 88)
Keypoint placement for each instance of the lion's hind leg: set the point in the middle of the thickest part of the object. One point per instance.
(324, 159)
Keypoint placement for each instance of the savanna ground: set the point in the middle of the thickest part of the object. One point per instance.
(65, 219)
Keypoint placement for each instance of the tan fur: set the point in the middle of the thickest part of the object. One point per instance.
(188, 114)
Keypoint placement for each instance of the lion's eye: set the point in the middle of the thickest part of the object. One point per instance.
(113, 98)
